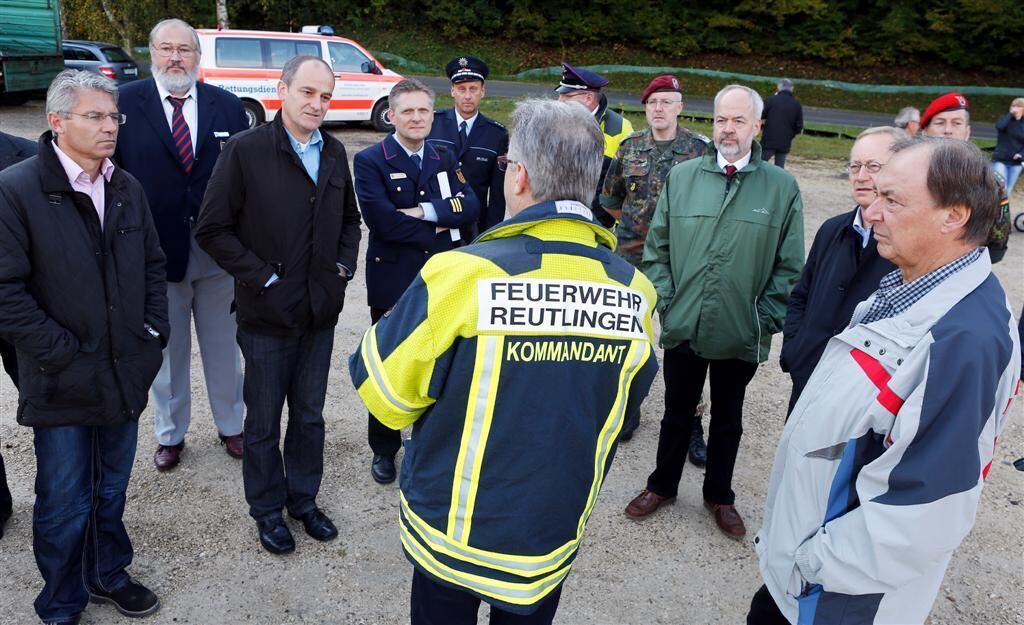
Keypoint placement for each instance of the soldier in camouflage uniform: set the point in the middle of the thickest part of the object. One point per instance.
(632, 187)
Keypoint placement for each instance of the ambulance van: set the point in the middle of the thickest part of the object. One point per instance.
(248, 63)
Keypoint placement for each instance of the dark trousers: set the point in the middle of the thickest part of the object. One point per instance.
(279, 369)
(78, 537)
(437, 604)
(684, 381)
(780, 157)
(383, 440)
(11, 367)
(764, 611)
(799, 382)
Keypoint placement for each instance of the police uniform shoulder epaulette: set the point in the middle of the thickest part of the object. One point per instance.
(697, 135)
(634, 136)
(492, 121)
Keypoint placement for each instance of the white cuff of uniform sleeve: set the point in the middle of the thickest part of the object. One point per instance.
(429, 214)
(348, 272)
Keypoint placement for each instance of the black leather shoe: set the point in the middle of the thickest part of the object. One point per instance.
(383, 469)
(698, 450)
(317, 525)
(133, 599)
(275, 536)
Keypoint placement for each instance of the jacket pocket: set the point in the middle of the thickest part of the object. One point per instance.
(74, 385)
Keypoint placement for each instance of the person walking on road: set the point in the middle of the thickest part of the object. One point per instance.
(783, 119)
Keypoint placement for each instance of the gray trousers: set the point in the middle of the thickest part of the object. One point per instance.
(205, 294)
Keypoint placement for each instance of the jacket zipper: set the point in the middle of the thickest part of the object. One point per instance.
(757, 324)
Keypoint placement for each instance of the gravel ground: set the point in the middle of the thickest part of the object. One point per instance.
(197, 548)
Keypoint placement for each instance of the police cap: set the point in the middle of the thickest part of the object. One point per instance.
(579, 79)
(466, 68)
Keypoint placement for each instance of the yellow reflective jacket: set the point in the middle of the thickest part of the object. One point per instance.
(516, 360)
(615, 128)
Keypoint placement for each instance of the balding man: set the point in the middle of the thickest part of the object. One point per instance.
(280, 216)
(725, 247)
(881, 464)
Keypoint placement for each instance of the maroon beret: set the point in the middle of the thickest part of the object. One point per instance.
(941, 104)
(662, 83)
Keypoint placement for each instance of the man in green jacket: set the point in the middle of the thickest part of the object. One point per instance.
(725, 246)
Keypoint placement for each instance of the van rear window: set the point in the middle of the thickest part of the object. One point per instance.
(238, 52)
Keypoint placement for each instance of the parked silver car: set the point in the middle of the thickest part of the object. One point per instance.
(103, 58)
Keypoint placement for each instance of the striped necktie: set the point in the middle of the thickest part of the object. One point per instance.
(180, 134)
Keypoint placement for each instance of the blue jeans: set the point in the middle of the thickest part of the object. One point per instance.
(1010, 172)
(279, 369)
(78, 537)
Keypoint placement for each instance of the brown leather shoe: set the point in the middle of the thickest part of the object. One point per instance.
(232, 445)
(168, 456)
(647, 502)
(727, 519)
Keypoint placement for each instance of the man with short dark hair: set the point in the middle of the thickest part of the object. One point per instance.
(783, 120)
(949, 116)
(280, 216)
(632, 186)
(416, 203)
(82, 300)
(476, 141)
(175, 130)
(725, 247)
(514, 421)
(881, 465)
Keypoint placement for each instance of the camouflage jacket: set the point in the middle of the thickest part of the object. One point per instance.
(635, 179)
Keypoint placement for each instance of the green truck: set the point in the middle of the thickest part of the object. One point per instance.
(30, 47)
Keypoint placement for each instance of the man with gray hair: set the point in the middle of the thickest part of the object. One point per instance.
(725, 247)
(908, 120)
(280, 216)
(175, 131)
(82, 300)
(881, 465)
(516, 360)
(783, 119)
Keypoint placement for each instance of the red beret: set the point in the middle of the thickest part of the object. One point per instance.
(941, 104)
(661, 83)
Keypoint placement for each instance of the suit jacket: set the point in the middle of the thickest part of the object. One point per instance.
(784, 119)
(386, 179)
(478, 161)
(834, 280)
(15, 149)
(145, 149)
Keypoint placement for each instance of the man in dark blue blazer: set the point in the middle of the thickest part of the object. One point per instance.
(12, 150)
(173, 134)
(416, 203)
(476, 140)
(842, 269)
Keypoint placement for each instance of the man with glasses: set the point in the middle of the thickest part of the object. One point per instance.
(633, 184)
(174, 134)
(843, 268)
(82, 299)
(584, 88)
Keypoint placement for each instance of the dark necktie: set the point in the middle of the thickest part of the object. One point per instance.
(180, 134)
(730, 173)
(462, 135)
(416, 160)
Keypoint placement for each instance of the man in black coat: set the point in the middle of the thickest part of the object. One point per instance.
(843, 267)
(82, 300)
(783, 119)
(12, 150)
(280, 216)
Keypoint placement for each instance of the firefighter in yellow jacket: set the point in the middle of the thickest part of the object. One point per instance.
(515, 359)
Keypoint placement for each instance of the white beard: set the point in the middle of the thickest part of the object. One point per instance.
(175, 83)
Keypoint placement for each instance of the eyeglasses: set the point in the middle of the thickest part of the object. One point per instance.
(653, 104)
(168, 51)
(504, 162)
(97, 118)
(872, 167)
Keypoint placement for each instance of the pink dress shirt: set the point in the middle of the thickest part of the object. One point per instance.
(80, 181)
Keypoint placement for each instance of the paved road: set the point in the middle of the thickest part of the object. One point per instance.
(834, 117)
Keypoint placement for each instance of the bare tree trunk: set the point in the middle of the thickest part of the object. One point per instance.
(222, 14)
(119, 26)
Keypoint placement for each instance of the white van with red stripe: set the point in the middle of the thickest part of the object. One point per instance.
(248, 63)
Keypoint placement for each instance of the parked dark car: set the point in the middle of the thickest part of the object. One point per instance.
(103, 58)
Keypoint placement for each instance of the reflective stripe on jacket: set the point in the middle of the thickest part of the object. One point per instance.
(516, 360)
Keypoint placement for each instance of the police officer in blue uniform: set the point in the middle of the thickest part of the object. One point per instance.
(475, 139)
(400, 183)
